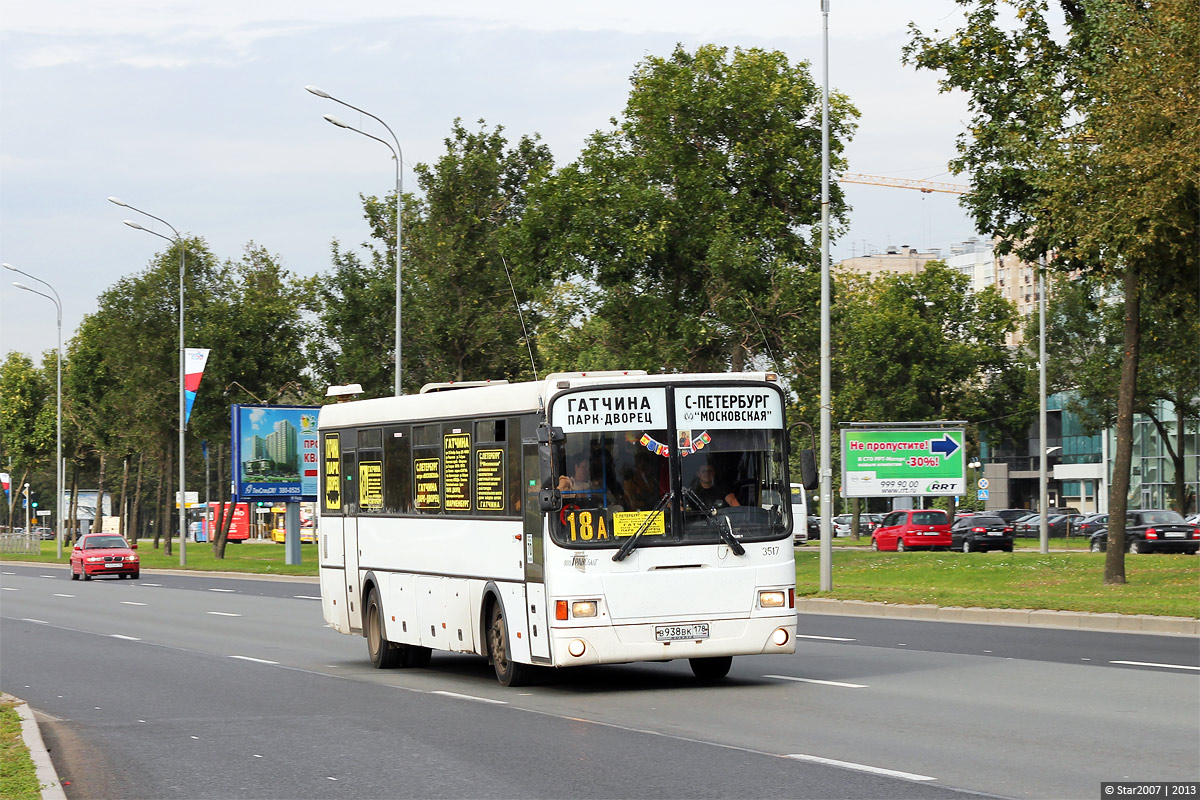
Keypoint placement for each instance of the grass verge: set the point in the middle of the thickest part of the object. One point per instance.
(263, 558)
(1164, 585)
(18, 777)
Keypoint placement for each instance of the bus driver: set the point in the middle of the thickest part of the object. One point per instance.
(706, 489)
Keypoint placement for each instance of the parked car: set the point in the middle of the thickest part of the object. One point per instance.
(46, 534)
(841, 524)
(1153, 530)
(980, 533)
(104, 554)
(1011, 515)
(1091, 523)
(912, 528)
(1193, 519)
(1026, 525)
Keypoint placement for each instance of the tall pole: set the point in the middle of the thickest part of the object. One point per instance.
(1043, 490)
(826, 558)
(182, 378)
(397, 154)
(58, 462)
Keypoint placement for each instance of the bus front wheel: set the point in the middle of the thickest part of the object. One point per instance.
(508, 672)
(384, 654)
(711, 669)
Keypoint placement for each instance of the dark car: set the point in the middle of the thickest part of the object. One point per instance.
(104, 554)
(980, 533)
(1090, 524)
(1011, 515)
(1153, 530)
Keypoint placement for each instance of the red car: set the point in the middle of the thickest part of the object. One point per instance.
(104, 554)
(912, 528)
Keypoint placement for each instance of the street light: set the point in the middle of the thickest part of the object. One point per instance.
(58, 467)
(826, 555)
(398, 155)
(182, 380)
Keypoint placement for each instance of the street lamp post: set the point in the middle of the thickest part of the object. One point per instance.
(826, 555)
(182, 379)
(398, 155)
(58, 465)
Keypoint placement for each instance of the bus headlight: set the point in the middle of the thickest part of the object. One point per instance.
(780, 637)
(576, 647)
(583, 608)
(772, 598)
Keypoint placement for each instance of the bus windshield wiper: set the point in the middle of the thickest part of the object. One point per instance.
(725, 534)
(631, 543)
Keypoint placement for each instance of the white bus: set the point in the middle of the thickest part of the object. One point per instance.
(589, 518)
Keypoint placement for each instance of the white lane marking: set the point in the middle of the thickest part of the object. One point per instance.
(126, 638)
(8, 573)
(471, 697)
(255, 660)
(822, 683)
(38, 621)
(825, 638)
(222, 614)
(222, 590)
(305, 597)
(1152, 664)
(56, 594)
(909, 776)
(10, 588)
(150, 584)
(131, 603)
(256, 755)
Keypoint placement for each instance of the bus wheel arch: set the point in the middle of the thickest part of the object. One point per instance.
(499, 646)
(384, 654)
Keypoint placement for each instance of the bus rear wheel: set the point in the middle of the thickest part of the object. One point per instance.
(384, 654)
(711, 669)
(508, 672)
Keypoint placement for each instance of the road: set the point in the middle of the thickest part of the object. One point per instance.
(204, 687)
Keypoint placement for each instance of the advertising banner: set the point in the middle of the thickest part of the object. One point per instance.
(195, 359)
(882, 462)
(275, 453)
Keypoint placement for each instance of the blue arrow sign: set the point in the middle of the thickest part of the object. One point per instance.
(945, 446)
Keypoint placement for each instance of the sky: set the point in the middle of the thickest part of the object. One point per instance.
(196, 112)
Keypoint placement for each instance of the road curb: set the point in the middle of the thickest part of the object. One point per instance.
(47, 777)
(1037, 618)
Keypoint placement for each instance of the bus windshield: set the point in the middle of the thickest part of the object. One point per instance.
(715, 470)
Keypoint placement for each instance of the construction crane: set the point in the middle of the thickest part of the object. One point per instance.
(905, 183)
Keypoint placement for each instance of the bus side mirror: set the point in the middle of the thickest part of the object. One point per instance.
(808, 469)
(549, 500)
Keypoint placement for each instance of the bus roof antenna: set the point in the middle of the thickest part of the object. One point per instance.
(517, 303)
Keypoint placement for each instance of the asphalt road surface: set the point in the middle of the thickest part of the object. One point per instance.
(203, 687)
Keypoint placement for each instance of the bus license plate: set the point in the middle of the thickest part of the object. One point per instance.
(681, 633)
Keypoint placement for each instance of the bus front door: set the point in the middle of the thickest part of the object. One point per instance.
(350, 537)
(533, 532)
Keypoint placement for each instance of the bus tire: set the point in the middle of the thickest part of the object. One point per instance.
(384, 654)
(711, 669)
(508, 672)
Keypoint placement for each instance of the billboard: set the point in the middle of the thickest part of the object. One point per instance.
(275, 453)
(885, 462)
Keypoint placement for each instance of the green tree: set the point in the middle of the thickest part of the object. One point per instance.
(124, 379)
(1084, 342)
(463, 322)
(1084, 146)
(27, 420)
(684, 237)
(922, 347)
